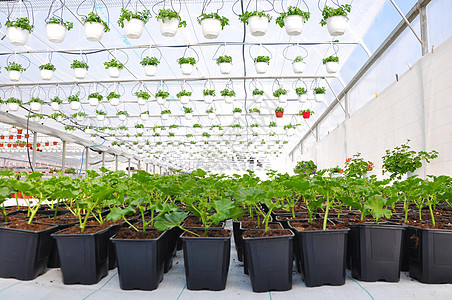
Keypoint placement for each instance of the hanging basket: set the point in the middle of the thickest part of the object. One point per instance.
(150, 70)
(100, 118)
(168, 28)
(75, 105)
(225, 68)
(302, 98)
(184, 99)
(211, 116)
(290, 131)
(56, 32)
(332, 67)
(306, 115)
(186, 69)
(114, 72)
(46, 74)
(258, 98)
(261, 67)
(94, 31)
(208, 99)
(114, 101)
(255, 115)
(282, 99)
(13, 106)
(319, 97)
(133, 28)
(80, 73)
(160, 100)
(228, 99)
(141, 101)
(188, 116)
(93, 101)
(237, 115)
(258, 25)
(80, 118)
(298, 67)
(14, 75)
(17, 36)
(279, 114)
(144, 117)
(211, 28)
(165, 116)
(293, 24)
(35, 106)
(336, 25)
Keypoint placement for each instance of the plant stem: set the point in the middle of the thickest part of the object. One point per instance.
(431, 215)
(325, 218)
(184, 229)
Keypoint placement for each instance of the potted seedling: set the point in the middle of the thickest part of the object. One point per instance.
(58, 117)
(100, 115)
(279, 111)
(94, 98)
(56, 29)
(331, 63)
(160, 96)
(184, 96)
(133, 23)
(166, 114)
(186, 65)
(281, 94)
(293, 20)
(55, 103)
(142, 97)
(319, 94)
(144, 115)
(18, 31)
(122, 115)
(212, 24)
(302, 94)
(114, 68)
(258, 95)
(139, 128)
(169, 21)
(36, 104)
(298, 65)
(69, 129)
(261, 64)
(208, 95)
(150, 65)
(74, 101)
(13, 104)
(188, 113)
(225, 63)
(14, 71)
(306, 113)
(237, 112)
(47, 71)
(36, 117)
(197, 128)
(257, 21)
(254, 113)
(211, 113)
(80, 68)
(290, 129)
(228, 95)
(113, 98)
(335, 19)
(94, 27)
(79, 116)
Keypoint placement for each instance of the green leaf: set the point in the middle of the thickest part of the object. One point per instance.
(171, 220)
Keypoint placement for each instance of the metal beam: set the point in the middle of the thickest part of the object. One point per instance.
(103, 159)
(116, 162)
(86, 161)
(406, 21)
(128, 169)
(424, 28)
(35, 143)
(63, 156)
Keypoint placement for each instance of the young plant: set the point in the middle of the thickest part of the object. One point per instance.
(300, 91)
(188, 110)
(162, 94)
(56, 99)
(113, 95)
(166, 112)
(143, 94)
(224, 59)
(330, 59)
(237, 110)
(255, 110)
(224, 21)
(57, 20)
(22, 23)
(128, 15)
(279, 92)
(298, 59)
(36, 100)
(210, 111)
(356, 167)
(187, 60)
(47, 66)
(319, 90)
(291, 11)
(227, 93)
(96, 95)
(170, 14)
(183, 93)
(12, 66)
(150, 61)
(248, 14)
(279, 109)
(327, 12)
(207, 92)
(260, 58)
(74, 98)
(101, 113)
(79, 64)
(258, 92)
(113, 64)
(95, 18)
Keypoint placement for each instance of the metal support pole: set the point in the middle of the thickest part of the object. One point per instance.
(63, 156)
(317, 136)
(86, 161)
(103, 160)
(128, 169)
(35, 143)
(424, 28)
(346, 104)
(406, 21)
(301, 148)
(139, 165)
(116, 162)
(153, 169)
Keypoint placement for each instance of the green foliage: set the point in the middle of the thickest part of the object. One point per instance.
(328, 12)
(262, 58)
(279, 109)
(207, 92)
(95, 18)
(210, 111)
(47, 66)
(12, 66)
(224, 21)
(96, 95)
(319, 90)
(298, 59)
(224, 59)
(356, 166)
(143, 94)
(73, 98)
(300, 91)
(255, 110)
(101, 113)
(14, 100)
(330, 59)
(237, 110)
(258, 92)
(113, 95)
(56, 99)
(227, 93)
(188, 110)
(183, 93)
(57, 20)
(150, 61)
(162, 94)
(305, 168)
(291, 11)
(128, 15)
(79, 64)
(113, 63)
(22, 23)
(279, 92)
(272, 124)
(36, 100)
(167, 112)
(187, 60)
(170, 14)
(248, 14)
(305, 111)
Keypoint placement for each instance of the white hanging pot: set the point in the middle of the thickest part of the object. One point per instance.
(14, 75)
(211, 28)
(100, 117)
(144, 117)
(184, 99)
(59, 119)
(168, 28)
(237, 115)
(282, 99)
(165, 116)
(56, 32)
(80, 73)
(35, 106)
(46, 74)
(211, 116)
(255, 115)
(133, 28)
(293, 24)
(55, 106)
(141, 101)
(225, 67)
(188, 116)
(186, 69)
(290, 131)
(114, 72)
(36, 119)
(332, 67)
(93, 101)
(160, 100)
(208, 99)
(13, 106)
(75, 105)
(319, 97)
(17, 36)
(150, 70)
(80, 118)
(303, 98)
(140, 130)
(228, 99)
(114, 101)
(258, 98)
(94, 31)
(261, 67)
(298, 67)
(336, 25)
(258, 25)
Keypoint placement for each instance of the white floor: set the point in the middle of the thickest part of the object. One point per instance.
(50, 287)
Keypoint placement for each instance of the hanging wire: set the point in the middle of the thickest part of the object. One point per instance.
(285, 50)
(259, 51)
(16, 59)
(150, 50)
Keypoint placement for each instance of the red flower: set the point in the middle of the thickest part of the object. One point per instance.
(348, 159)
(370, 166)
(341, 171)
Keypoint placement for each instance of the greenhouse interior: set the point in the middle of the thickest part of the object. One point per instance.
(239, 149)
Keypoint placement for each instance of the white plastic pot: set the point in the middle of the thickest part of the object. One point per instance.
(36, 119)
(46, 74)
(114, 101)
(59, 119)
(237, 115)
(302, 98)
(100, 117)
(211, 116)
(140, 130)
(319, 97)
(208, 99)
(165, 116)
(336, 25)
(94, 31)
(258, 25)
(211, 28)
(150, 70)
(188, 116)
(80, 118)
(332, 67)
(282, 99)
(184, 99)
(55, 106)
(298, 67)
(160, 100)
(168, 27)
(133, 28)
(258, 98)
(144, 117)
(225, 68)
(14, 75)
(228, 99)
(255, 115)
(75, 105)
(35, 106)
(80, 73)
(141, 101)
(56, 32)
(93, 101)
(13, 106)
(293, 24)
(186, 69)
(261, 67)
(114, 72)
(290, 131)
(17, 36)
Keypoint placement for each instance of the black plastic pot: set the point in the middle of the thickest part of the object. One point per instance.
(112, 259)
(322, 256)
(84, 257)
(172, 235)
(430, 256)
(206, 261)
(375, 252)
(238, 241)
(270, 262)
(24, 254)
(140, 262)
(54, 257)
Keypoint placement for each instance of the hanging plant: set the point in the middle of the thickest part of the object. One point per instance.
(133, 23)
(298, 65)
(290, 129)
(319, 94)
(142, 97)
(302, 94)
(94, 27)
(281, 94)
(56, 29)
(160, 96)
(336, 19)
(258, 95)
(74, 101)
(225, 63)
(186, 65)
(69, 128)
(261, 64)
(272, 124)
(212, 24)
(13, 103)
(46, 71)
(208, 95)
(188, 113)
(80, 68)
(293, 20)
(254, 113)
(306, 113)
(114, 67)
(150, 65)
(169, 21)
(279, 111)
(139, 128)
(228, 95)
(257, 21)
(79, 116)
(100, 115)
(15, 71)
(95, 98)
(331, 63)
(211, 113)
(18, 31)
(165, 114)
(144, 115)
(58, 117)
(35, 104)
(237, 112)
(184, 96)
(55, 103)
(113, 98)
